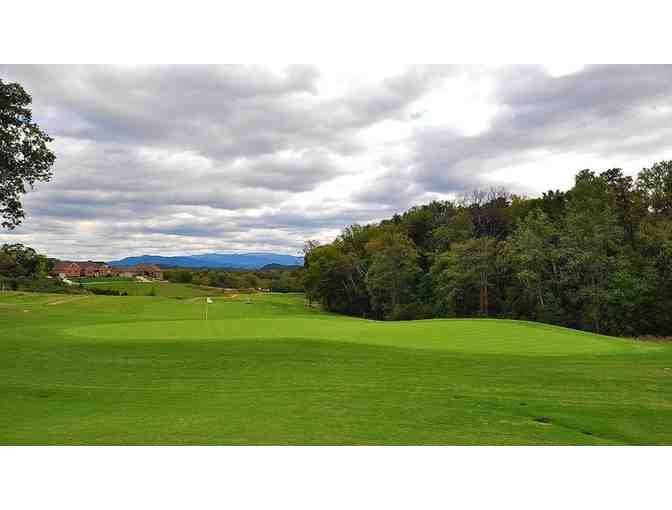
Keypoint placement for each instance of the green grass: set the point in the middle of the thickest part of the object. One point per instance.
(150, 370)
(163, 288)
(89, 280)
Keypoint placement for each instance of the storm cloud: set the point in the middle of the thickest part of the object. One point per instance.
(191, 159)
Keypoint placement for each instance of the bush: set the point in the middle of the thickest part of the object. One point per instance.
(40, 284)
(108, 292)
(410, 312)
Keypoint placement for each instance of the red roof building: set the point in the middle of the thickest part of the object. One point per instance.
(147, 270)
(64, 269)
(94, 269)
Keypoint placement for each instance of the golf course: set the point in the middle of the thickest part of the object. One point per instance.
(144, 370)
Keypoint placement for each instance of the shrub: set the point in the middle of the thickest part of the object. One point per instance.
(107, 292)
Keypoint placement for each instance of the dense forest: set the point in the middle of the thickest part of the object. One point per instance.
(597, 257)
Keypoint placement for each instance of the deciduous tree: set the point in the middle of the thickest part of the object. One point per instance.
(393, 274)
(25, 157)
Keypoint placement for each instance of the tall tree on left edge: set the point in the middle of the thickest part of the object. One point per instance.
(25, 157)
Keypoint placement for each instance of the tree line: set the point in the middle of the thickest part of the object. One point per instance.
(597, 257)
(22, 268)
(275, 279)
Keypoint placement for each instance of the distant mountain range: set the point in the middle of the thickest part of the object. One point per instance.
(214, 260)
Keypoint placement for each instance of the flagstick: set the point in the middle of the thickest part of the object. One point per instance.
(206, 309)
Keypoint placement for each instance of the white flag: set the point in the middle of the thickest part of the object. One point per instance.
(208, 300)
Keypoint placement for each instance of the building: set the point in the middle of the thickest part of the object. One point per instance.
(63, 269)
(94, 269)
(147, 270)
(121, 272)
(90, 269)
(144, 270)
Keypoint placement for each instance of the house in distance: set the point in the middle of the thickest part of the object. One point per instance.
(94, 269)
(143, 270)
(89, 269)
(63, 269)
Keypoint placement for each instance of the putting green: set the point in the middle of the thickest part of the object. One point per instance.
(477, 336)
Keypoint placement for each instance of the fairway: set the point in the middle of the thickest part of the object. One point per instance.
(158, 288)
(150, 370)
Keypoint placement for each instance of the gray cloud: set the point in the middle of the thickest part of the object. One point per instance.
(610, 111)
(186, 159)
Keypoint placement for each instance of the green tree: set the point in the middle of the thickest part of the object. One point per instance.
(178, 275)
(469, 267)
(393, 274)
(656, 185)
(596, 257)
(25, 157)
(332, 279)
(654, 243)
(629, 203)
(590, 242)
(308, 246)
(17, 260)
(458, 229)
(533, 256)
(250, 281)
(417, 223)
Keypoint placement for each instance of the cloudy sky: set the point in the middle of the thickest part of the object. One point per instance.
(191, 159)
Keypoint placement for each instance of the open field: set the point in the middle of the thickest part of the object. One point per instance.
(163, 288)
(150, 370)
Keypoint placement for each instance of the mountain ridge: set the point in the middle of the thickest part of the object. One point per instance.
(253, 260)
